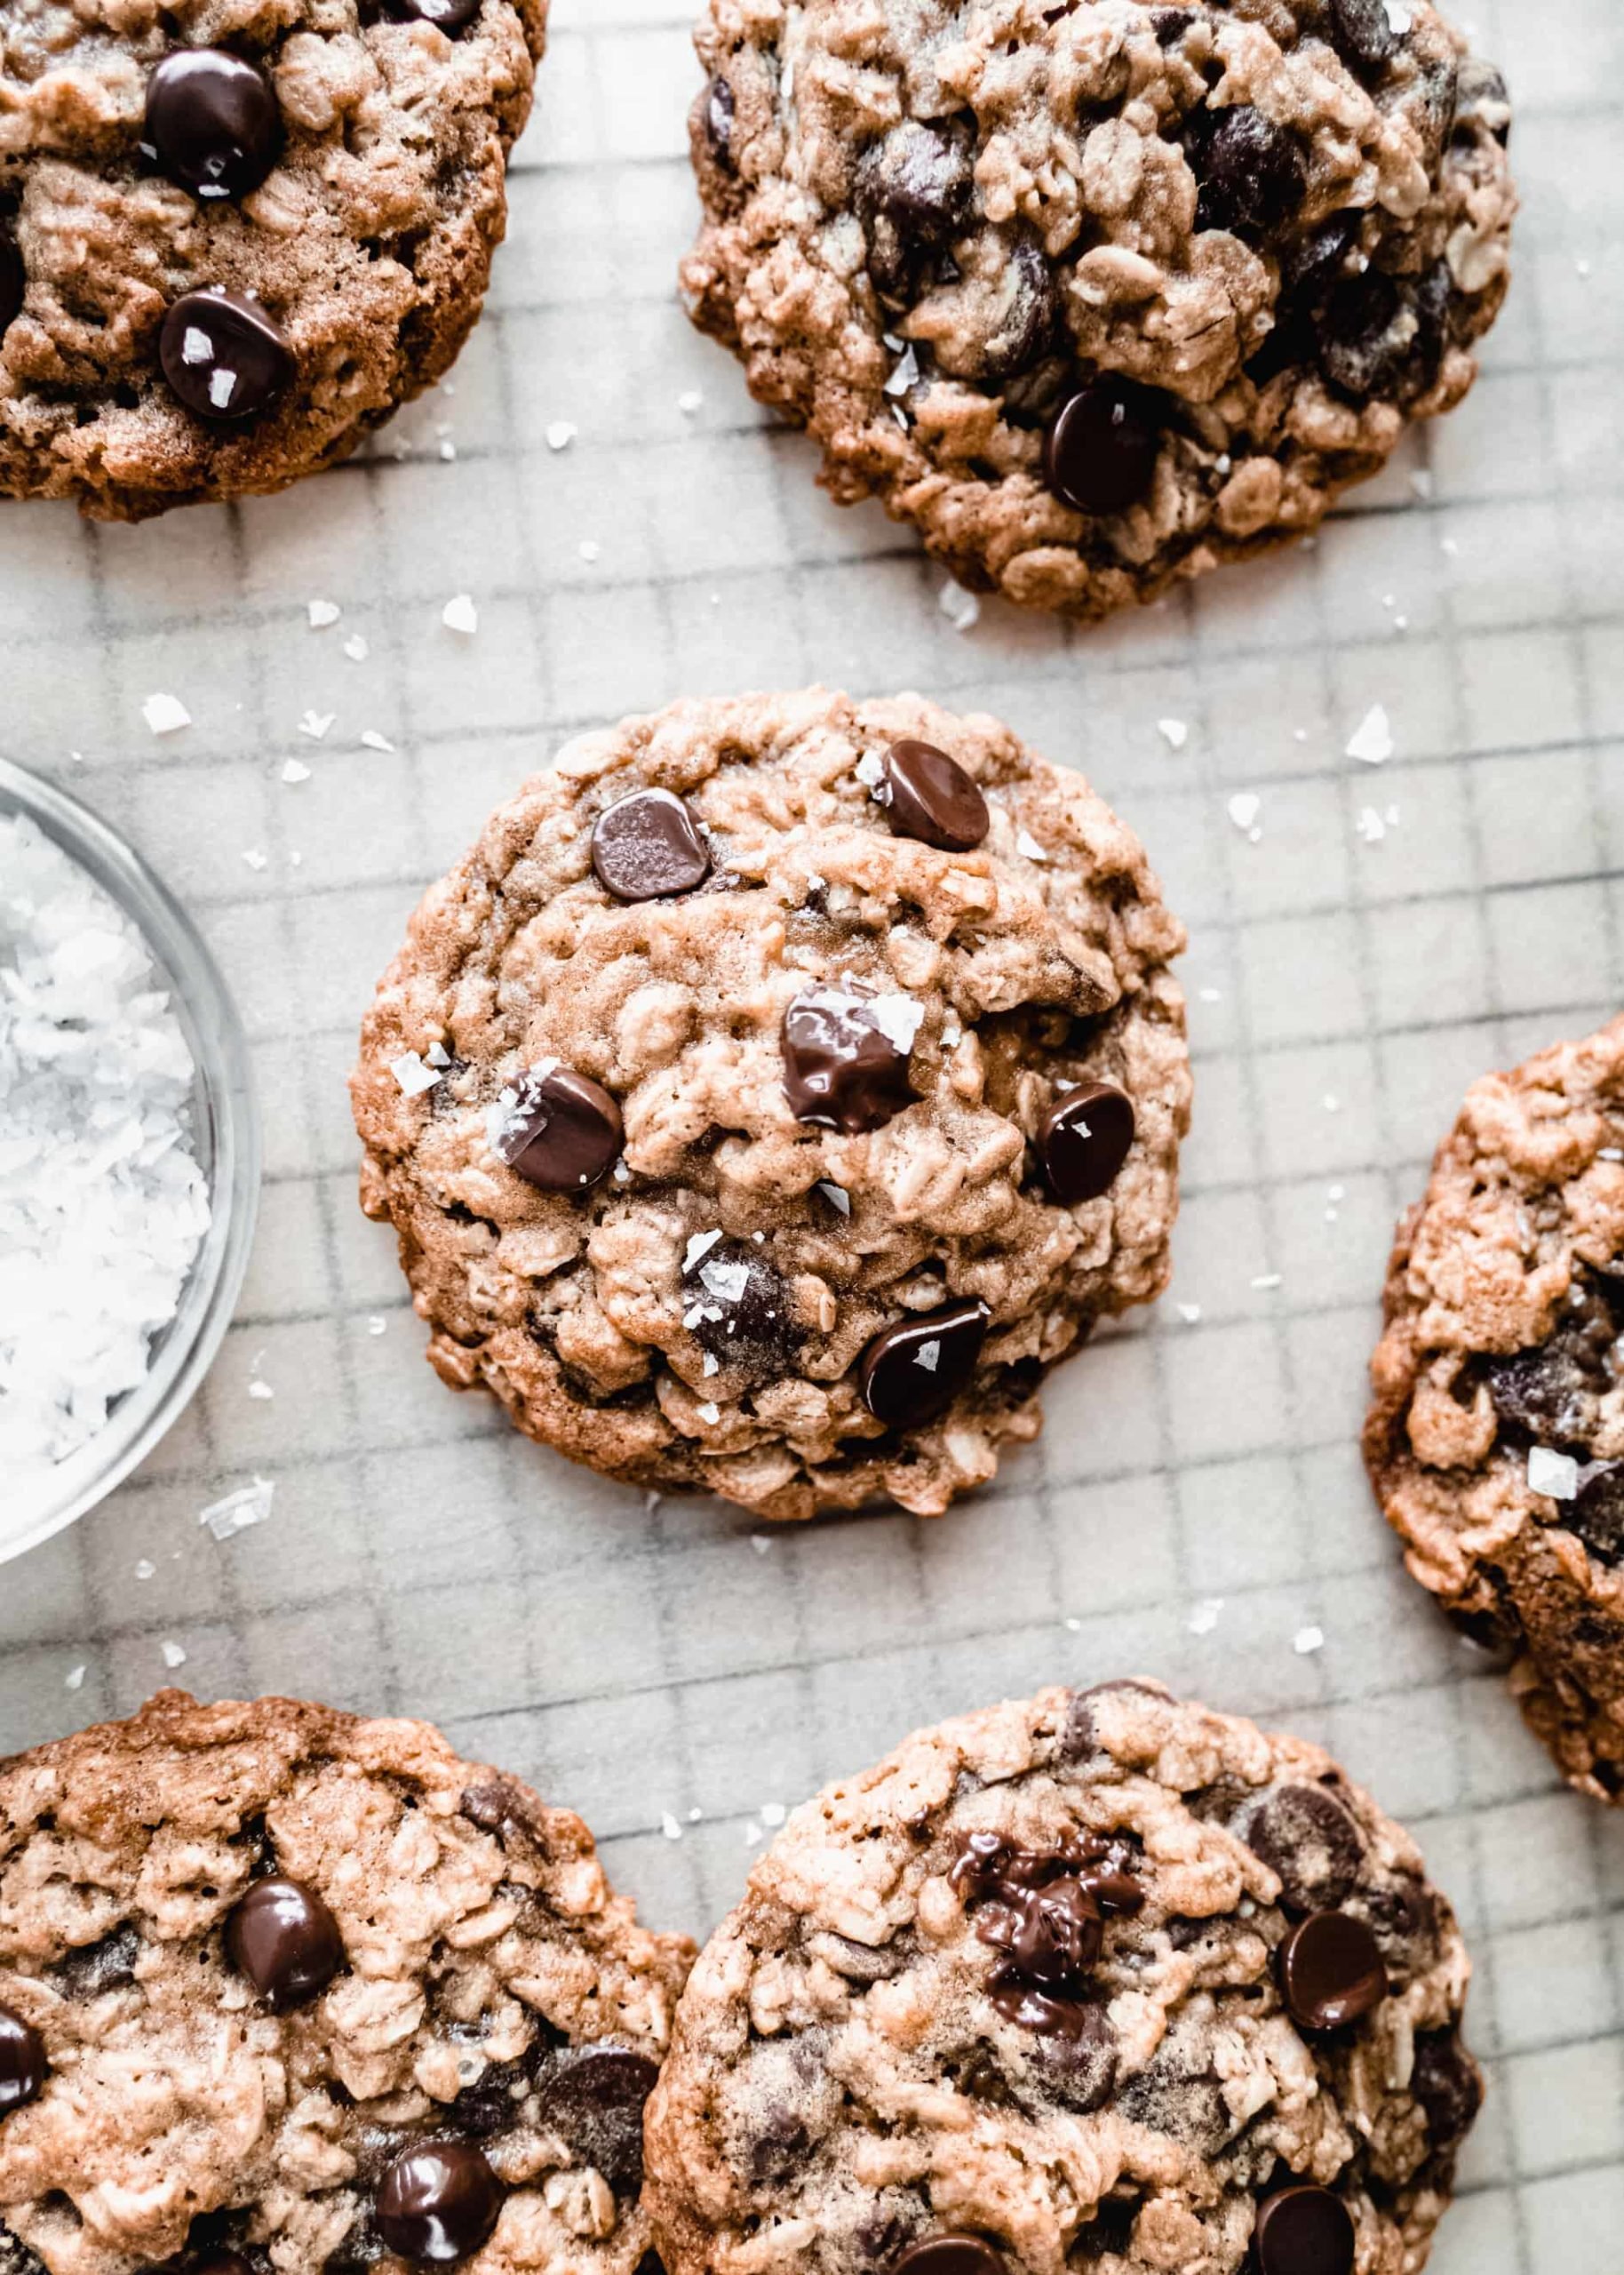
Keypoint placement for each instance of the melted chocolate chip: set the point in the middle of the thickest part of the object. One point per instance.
(595, 2099)
(1051, 1933)
(845, 1064)
(1310, 1842)
(949, 2255)
(933, 799)
(212, 123)
(649, 846)
(738, 1307)
(1363, 30)
(438, 2202)
(1448, 2084)
(1253, 175)
(911, 1373)
(13, 280)
(912, 194)
(1043, 1912)
(23, 2063)
(1303, 2231)
(1331, 1971)
(561, 1133)
(224, 357)
(284, 1939)
(451, 17)
(718, 118)
(1082, 1141)
(1101, 448)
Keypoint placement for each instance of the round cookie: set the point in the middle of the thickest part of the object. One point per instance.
(284, 1988)
(1097, 1980)
(1495, 1441)
(777, 1091)
(223, 261)
(1098, 295)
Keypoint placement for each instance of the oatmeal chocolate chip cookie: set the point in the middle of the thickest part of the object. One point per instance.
(1496, 1438)
(1103, 293)
(284, 1988)
(232, 238)
(777, 1091)
(1099, 1981)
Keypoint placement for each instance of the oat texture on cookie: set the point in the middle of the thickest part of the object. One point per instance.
(776, 1091)
(235, 237)
(1102, 294)
(1100, 1981)
(284, 1989)
(1496, 1439)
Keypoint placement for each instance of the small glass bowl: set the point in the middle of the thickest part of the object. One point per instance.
(225, 1137)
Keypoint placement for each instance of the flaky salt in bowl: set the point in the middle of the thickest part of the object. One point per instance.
(128, 1160)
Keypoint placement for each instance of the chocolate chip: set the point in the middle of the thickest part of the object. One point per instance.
(492, 1807)
(949, 2255)
(1448, 2084)
(1101, 448)
(917, 182)
(562, 1131)
(452, 17)
(718, 117)
(1303, 2231)
(1310, 1842)
(1084, 1139)
(1363, 30)
(1552, 1394)
(1052, 1933)
(595, 2099)
(1366, 334)
(224, 357)
(648, 846)
(1079, 1738)
(1253, 175)
(1482, 99)
(101, 1967)
(23, 2063)
(1170, 25)
(284, 1939)
(912, 1372)
(739, 1307)
(212, 123)
(1596, 1513)
(13, 280)
(1402, 1915)
(856, 1962)
(1179, 2093)
(438, 2202)
(1308, 267)
(1331, 1971)
(846, 1057)
(933, 799)
(1077, 2052)
(1025, 326)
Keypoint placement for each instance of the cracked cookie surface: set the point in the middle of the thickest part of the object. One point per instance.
(334, 169)
(1103, 294)
(1098, 1980)
(262, 1965)
(788, 1083)
(1495, 1442)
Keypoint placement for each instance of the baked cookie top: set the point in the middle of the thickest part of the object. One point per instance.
(235, 233)
(296, 1990)
(1495, 1441)
(1098, 294)
(1100, 1980)
(780, 1086)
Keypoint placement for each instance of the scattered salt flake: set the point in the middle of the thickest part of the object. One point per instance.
(870, 770)
(694, 1816)
(1307, 1640)
(712, 1365)
(904, 375)
(1554, 1474)
(1074, 1626)
(322, 613)
(1372, 740)
(295, 772)
(1026, 843)
(412, 1075)
(1266, 1279)
(1332, 1103)
(709, 1411)
(448, 453)
(437, 1055)
(372, 740)
(1610, 1153)
(561, 434)
(1449, 547)
(669, 1826)
(255, 859)
(145, 1569)
(356, 648)
(173, 1656)
(165, 715)
(1204, 1618)
(772, 1813)
(1581, 266)
(761, 1542)
(690, 402)
(249, 1506)
(1210, 994)
(701, 1245)
(377, 1324)
(1422, 483)
(1190, 1314)
(930, 1355)
(591, 550)
(460, 614)
(261, 1389)
(1400, 15)
(74, 1680)
(316, 725)
(1174, 733)
(1244, 807)
(1336, 1193)
(835, 1195)
(962, 609)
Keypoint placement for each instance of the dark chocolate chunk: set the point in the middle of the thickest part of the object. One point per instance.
(1078, 2058)
(845, 1060)
(492, 1807)
(1597, 1512)
(718, 116)
(224, 357)
(649, 846)
(451, 17)
(1402, 1915)
(97, 1967)
(912, 194)
(1363, 30)
(1311, 1842)
(1482, 99)
(1101, 447)
(738, 1305)
(1027, 320)
(1308, 267)
(1178, 2093)
(13, 280)
(212, 122)
(1331, 1971)
(284, 1939)
(594, 2097)
(24, 2066)
(911, 1373)
(1551, 1394)
(1079, 1738)
(1253, 175)
(932, 798)
(562, 1132)
(1171, 24)
(1084, 1139)
(1303, 2231)
(949, 2255)
(437, 2202)
(1448, 2084)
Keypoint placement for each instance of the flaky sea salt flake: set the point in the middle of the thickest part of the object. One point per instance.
(460, 614)
(1174, 733)
(322, 613)
(370, 739)
(1306, 1640)
(1372, 740)
(173, 1657)
(1205, 1617)
(412, 1075)
(962, 609)
(239, 1511)
(165, 715)
(1554, 1474)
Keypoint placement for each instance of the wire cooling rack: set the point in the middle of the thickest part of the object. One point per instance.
(1365, 939)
